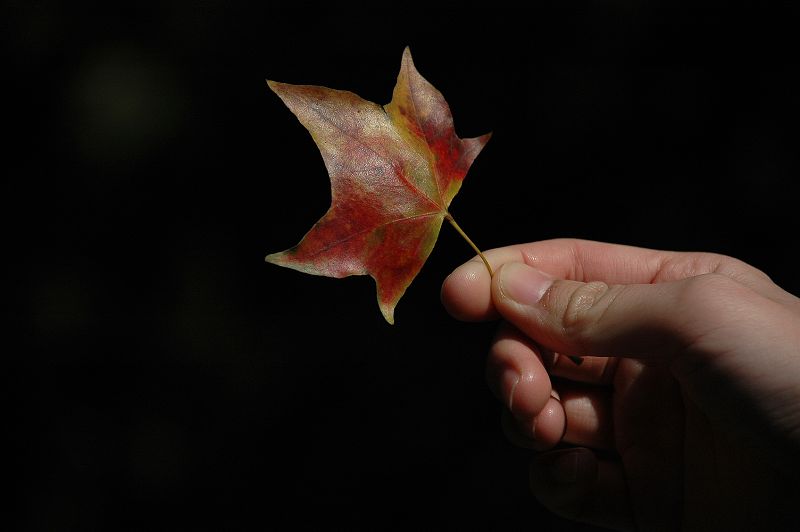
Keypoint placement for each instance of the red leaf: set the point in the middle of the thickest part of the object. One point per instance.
(394, 171)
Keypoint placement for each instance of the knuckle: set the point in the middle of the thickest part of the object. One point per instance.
(739, 270)
(710, 296)
(585, 307)
(706, 287)
(701, 263)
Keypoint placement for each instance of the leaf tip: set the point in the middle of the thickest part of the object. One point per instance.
(275, 86)
(388, 314)
(273, 258)
(407, 60)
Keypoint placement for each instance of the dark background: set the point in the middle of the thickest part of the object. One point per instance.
(167, 378)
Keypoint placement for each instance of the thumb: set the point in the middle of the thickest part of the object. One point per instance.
(597, 319)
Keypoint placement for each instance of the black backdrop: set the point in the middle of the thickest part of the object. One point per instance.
(167, 378)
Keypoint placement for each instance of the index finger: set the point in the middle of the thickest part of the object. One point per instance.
(466, 292)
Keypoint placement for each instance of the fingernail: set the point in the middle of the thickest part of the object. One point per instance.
(523, 284)
(510, 381)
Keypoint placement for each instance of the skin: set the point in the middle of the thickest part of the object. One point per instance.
(685, 413)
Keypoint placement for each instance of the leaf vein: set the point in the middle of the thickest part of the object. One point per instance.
(424, 134)
(370, 229)
(382, 156)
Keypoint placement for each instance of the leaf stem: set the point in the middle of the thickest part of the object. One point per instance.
(461, 232)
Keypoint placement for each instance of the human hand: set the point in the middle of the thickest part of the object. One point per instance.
(685, 413)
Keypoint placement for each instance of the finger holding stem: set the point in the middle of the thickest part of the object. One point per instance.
(449, 217)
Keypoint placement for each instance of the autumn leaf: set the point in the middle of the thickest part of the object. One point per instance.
(394, 170)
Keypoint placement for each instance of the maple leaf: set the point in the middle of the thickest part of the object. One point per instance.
(394, 170)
